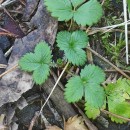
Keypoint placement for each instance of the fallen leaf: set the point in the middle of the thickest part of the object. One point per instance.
(75, 123)
(53, 128)
(11, 26)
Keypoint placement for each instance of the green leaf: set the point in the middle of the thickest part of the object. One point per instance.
(121, 109)
(93, 74)
(128, 2)
(86, 14)
(72, 44)
(41, 74)
(117, 94)
(89, 13)
(74, 89)
(94, 95)
(37, 62)
(75, 3)
(81, 86)
(29, 62)
(61, 9)
(91, 111)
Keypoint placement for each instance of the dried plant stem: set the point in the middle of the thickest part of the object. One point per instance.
(116, 25)
(6, 3)
(121, 117)
(2, 66)
(107, 61)
(126, 29)
(8, 71)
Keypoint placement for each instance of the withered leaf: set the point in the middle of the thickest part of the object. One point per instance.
(53, 128)
(75, 123)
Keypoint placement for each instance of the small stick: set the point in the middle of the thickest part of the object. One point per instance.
(126, 71)
(126, 30)
(121, 117)
(3, 66)
(6, 3)
(33, 121)
(107, 61)
(87, 121)
(8, 52)
(55, 78)
(8, 71)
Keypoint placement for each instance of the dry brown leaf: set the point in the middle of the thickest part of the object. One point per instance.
(75, 123)
(53, 128)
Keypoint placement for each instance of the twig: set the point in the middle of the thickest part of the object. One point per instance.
(116, 25)
(33, 121)
(112, 70)
(3, 66)
(8, 52)
(96, 30)
(107, 61)
(126, 29)
(121, 117)
(6, 3)
(55, 79)
(6, 32)
(87, 121)
(103, 2)
(8, 71)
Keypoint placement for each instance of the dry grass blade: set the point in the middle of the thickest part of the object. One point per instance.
(8, 71)
(126, 29)
(107, 61)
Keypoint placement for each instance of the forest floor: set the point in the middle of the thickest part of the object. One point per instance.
(23, 24)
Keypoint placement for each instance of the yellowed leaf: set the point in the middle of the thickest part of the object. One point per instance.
(53, 128)
(75, 123)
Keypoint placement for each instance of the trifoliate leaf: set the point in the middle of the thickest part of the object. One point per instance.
(74, 89)
(62, 9)
(72, 44)
(86, 14)
(37, 62)
(89, 13)
(117, 93)
(81, 86)
(91, 111)
(75, 3)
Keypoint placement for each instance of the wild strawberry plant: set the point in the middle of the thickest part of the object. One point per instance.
(87, 85)
(38, 62)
